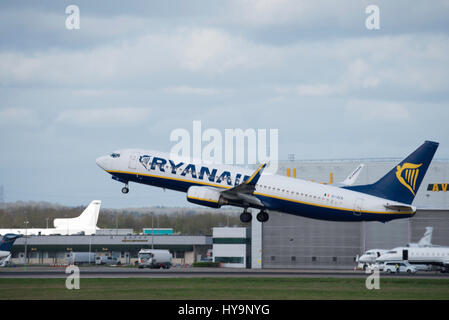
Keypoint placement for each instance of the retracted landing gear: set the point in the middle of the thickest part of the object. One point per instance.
(125, 189)
(246, 216)
(262, 216)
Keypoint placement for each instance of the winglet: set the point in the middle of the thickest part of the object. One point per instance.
(256, 175)
(351, 179)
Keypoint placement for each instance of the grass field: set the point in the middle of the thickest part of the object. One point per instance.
(225, 288)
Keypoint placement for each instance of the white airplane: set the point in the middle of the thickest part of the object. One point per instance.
(216, 185)
(436, 256)
(5, 247)
(86, 223)
(370, 256)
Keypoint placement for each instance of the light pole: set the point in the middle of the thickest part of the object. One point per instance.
(26, 241)
(152, 231)
(90, 246)
(116, 223)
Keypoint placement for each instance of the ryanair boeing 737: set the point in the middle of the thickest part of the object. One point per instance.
(217, 185)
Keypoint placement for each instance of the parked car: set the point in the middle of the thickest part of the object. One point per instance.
(398, 267)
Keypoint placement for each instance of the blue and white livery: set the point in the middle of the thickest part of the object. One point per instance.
(5, 247)
(217, 185)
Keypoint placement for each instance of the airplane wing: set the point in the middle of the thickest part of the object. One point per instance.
(244, 192)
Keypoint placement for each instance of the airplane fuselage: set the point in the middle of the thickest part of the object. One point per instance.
(427, 255)
(275, 192)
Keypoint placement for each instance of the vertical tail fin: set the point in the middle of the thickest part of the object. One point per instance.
(88, 218)
(8, 241)
(404, 180)
(426, 240)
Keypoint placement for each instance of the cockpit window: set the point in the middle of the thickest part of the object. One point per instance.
(115, 155)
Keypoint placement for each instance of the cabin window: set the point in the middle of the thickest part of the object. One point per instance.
(115, 155)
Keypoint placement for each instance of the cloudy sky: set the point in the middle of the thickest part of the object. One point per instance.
(133, 73)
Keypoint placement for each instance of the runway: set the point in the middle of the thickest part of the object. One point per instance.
(127, 272)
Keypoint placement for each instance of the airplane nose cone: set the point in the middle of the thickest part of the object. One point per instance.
(102, 162)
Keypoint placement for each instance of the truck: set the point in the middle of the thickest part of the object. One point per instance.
(150, 258)
(80, 257)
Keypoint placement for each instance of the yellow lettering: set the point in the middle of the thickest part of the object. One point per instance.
(435, 188)
(444, 187)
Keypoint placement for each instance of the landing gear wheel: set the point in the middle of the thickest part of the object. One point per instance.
(246, 217)
(262, 216)
(125, 190)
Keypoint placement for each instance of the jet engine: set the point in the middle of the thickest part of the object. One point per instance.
(205, 196)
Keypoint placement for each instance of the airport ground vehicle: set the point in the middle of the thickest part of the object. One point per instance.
(80, 257)
(150, 258)
(398, 267)
(109, 260)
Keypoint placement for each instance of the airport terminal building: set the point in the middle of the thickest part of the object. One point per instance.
(55, 249)
(284, 241)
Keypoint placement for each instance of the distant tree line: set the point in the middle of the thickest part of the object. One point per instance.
(183, 222)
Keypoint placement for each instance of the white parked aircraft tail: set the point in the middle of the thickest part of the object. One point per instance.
(88, 218)
(426, 240)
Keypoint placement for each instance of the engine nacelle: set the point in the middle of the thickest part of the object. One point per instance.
(205, 196)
